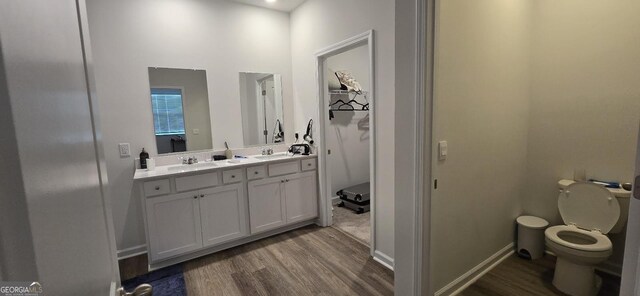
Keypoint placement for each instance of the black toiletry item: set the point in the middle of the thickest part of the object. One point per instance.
(219, 157)
(303, 149)
(143, 159)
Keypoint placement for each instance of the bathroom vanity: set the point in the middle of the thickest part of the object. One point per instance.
(198, 209)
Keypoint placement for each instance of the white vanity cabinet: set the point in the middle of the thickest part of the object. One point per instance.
(190, 214)
(282, 200)
(301, 195)
(173, 225)
(266, 204)
(223, 211)
(185, 222)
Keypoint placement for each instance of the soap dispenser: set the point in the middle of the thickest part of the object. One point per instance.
(143, 159)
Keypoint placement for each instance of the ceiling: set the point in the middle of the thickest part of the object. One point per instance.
(282, 5)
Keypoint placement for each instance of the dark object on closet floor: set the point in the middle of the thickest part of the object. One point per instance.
(356, 197)
(303, 149)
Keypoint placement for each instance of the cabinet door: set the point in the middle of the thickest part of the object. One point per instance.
(301, 195)
(173, 224)
(266, 204)
(223, 211)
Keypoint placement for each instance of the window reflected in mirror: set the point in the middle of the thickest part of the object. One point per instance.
(180, 107)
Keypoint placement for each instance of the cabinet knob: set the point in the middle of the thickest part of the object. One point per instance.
(255, 173)
(201, 195)
(157, 187)
(233, 176)
(195, 196)
(308, 164)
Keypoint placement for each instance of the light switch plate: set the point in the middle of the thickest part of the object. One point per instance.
(196, 131)
(442, 150)
(125, 149)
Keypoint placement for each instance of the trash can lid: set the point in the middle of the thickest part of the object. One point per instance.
(532, 222)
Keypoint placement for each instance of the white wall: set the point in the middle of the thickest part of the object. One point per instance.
(346, 136)
(57, 192)
(585, 99)
(481, 108)
(221, 37)
(319, 23)
(195, 102)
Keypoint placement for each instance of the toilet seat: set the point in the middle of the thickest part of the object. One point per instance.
(589, 206)
(597, 242)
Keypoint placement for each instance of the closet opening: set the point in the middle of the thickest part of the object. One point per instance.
(347, 129)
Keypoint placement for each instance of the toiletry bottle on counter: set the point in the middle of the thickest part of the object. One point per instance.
(143, 159)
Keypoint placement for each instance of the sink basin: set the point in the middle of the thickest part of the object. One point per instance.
(272, 156)
(192, 167)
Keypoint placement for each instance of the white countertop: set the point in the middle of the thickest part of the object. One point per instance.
(204, 166)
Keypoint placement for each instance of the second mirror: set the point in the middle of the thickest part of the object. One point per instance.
(261, 100)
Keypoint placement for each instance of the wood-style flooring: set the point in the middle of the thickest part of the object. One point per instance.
(522, 277)
(308, 261)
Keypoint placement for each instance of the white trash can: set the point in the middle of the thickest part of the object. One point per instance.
(531, 236)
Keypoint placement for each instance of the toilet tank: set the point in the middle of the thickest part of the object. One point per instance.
(621, 195)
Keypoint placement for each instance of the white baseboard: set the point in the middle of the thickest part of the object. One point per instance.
(132, 252)
(471, 276)
(383, 259)
(335, 200)
(112, 289)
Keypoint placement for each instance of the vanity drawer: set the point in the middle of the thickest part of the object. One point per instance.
(256, 172)
(308, 164)
(284, 168)
(232, 176)
(196, 181)
(157, 187)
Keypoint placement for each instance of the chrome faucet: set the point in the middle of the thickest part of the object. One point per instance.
(189, 160)
(267, 151)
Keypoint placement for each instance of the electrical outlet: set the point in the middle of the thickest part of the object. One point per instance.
(125, 149)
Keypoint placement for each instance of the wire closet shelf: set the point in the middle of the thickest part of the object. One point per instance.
(351, 105)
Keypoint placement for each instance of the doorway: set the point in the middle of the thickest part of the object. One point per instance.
(347, 132)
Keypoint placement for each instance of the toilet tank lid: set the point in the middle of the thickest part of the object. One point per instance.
(532, 222)
(617, 192)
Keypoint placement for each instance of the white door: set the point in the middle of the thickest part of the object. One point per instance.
(266, 204)
(631, 267)
(174, 225)
(301, 196)
(223, 211)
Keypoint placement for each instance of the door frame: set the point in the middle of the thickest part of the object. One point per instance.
(324, 174)
(630, 284)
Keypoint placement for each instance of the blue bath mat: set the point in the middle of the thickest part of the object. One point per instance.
(168, 281)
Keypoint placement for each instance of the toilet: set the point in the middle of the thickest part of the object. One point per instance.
(589, 212)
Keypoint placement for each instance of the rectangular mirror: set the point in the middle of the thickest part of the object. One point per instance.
(180, 107)
(262, 113)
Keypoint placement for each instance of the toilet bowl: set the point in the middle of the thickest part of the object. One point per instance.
(589, 212)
